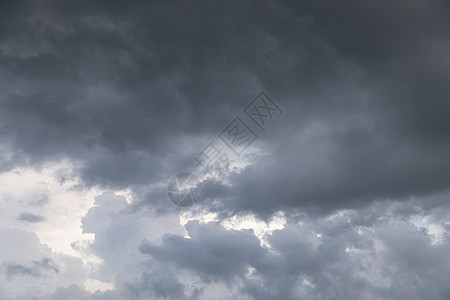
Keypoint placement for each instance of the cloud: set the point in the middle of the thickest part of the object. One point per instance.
(36, 269)
(29, 268)
(31, 218)
(118, 96)
(359, 125)
(376, 252)
(388, 258)
(211, 250)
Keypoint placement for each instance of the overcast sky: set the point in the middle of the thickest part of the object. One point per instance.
(343, 192)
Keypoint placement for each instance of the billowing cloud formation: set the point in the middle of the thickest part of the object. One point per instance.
(123, 94)
(375, 253)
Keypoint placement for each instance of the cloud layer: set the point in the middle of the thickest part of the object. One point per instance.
(343, 197)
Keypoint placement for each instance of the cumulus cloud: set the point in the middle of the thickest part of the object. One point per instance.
(376, 252)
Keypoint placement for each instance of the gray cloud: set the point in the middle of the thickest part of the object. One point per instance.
(15, 269)
(44, 267)
(373, 252)
(31, 218)
(130, 91)
(216, 252)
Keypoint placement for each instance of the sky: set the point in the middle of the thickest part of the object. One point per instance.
(315, 136)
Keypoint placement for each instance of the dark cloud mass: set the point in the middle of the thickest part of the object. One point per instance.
(126, 88)
(129, 91)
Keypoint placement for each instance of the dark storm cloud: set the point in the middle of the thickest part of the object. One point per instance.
(214, 253)
(132, 89)
(31, 218)
(379, 131)
(129, 91)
